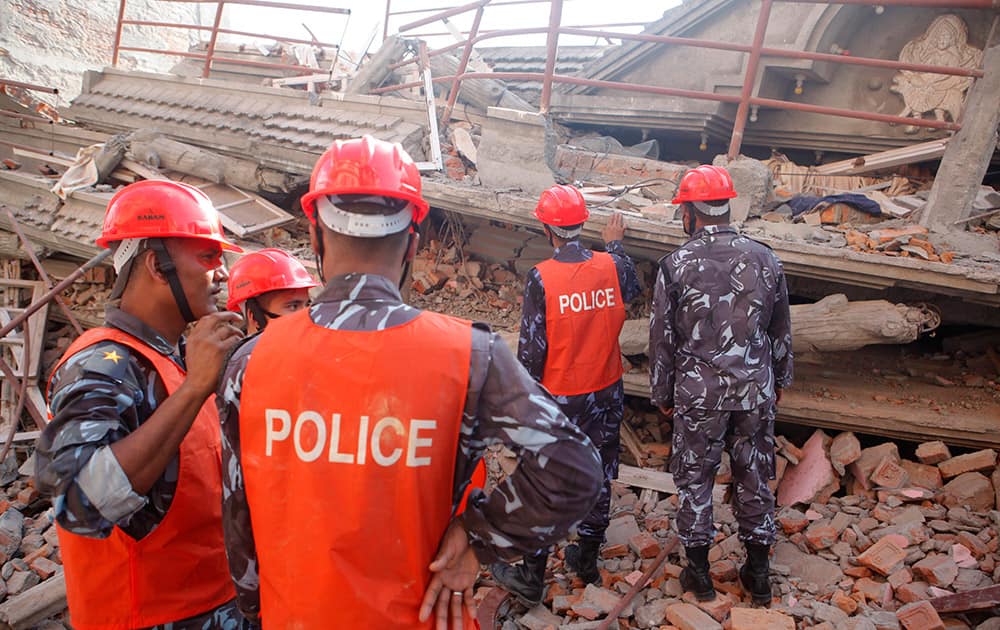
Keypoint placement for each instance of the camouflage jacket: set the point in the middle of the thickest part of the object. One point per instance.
(533, 345)
(557, 479)
(720, 333)
(99, 396)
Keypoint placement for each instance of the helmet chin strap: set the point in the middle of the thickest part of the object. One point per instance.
(169, 271)
(259, 314)
(414, 233)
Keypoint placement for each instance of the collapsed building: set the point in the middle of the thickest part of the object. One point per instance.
(861, 141)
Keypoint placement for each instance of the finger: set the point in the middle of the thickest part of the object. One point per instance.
(469, 598)
(441, 610)
(430, 597)
(456, 611)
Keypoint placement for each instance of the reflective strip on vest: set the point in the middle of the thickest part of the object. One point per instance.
(179, 569)
(348, 443)
(584, 314)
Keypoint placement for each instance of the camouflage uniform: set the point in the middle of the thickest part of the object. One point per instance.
(557, 474)
(95, 402)
(721, 342)
(598, 414)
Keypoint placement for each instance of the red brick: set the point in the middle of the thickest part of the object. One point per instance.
(974, 543)
(848, 604)
(804, 481)
(845, 449)
(44, 567)
(723, 571)
(858, 572)
(919, 616)
(972, 490)
(889, 474)
(689, 617)
(792, 521)
(657, 521)
(933, 452)
(912, 592)
(596, 601)
(922, 475)
(614, 551)
(936, 570)
(27, 495)
(718, 608)
(760, 619)
(821, 535)
(870, 459)
(878, 592)
(883, 557)
(899, 578)
(985, 459)
(644, 545)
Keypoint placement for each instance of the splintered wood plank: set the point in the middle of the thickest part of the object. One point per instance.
(979, 599)
(242, 213)
(646, 478)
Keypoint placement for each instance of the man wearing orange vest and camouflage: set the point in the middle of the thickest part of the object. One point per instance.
(131, 455)
(351, 428)
(267, 284)
(574, 308)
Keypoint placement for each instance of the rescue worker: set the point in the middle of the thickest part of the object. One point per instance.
(351, 428)
(267, 284)
(574, 309)
(721, 351)
(131, 456)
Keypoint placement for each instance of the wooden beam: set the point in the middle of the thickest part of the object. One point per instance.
(646, 478)
(885, 159)
(979, 599)
(35, 604)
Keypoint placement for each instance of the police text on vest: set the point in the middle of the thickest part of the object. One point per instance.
(311, 424)
(587, 300)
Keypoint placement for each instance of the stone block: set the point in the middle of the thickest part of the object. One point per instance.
(933, 452)
(540, 618)
(831, 614)
(808, 567)
(805, 480)
(978, 461)
(511, 152)
(937, 570)
(884, 557)
(621, 530)
(689, 617)
(972, 490)
(760, 619)
(919, 616)
(870, 459)
(845, 449)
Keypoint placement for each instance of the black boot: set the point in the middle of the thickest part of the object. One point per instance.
(526, 581)
(754, 574)
(582, 559)
(695, 577)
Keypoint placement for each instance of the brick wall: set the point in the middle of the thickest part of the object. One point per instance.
(51, 42)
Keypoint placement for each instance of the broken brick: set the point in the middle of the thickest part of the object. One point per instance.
(848, 604)
(919, 616)
(845, 449)
(760, 619)
(689, 617)
(874, 591)
(792, 520)
(937, 570)
(972, 490)
(717, 607)
(912, 592)
(821, 535)
(889, 474)
(804, 481)
(644, 545)
(933, 452)
(884, 557)
(922, 475)
(985, 459)
(45, 568)
(974, 544)
(870, 459)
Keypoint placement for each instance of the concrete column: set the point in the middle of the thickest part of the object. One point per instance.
(968, 154)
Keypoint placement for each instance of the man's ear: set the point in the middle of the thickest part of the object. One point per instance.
(152, 266)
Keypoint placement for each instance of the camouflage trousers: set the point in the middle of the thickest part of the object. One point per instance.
(699, 437)
(599, 415)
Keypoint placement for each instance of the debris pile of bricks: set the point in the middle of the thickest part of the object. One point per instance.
(866, 540)
(29, 547)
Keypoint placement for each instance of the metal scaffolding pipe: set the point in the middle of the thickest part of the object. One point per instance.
(742, 111)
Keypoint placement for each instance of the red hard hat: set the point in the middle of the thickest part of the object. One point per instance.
(561, 206)
(366, 166)
(156, 208)
(705, 183)
(265, 270)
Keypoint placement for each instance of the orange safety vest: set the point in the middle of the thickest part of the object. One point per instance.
(584, 314)
(179, 569)
(348, 442)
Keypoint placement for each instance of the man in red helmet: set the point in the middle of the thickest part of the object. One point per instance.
(267, 284)
(721, 351)
(574, 308)
(351, 428)
(132, 453)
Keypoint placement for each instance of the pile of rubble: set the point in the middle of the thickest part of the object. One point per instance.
(891, 552)
(32, 586)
